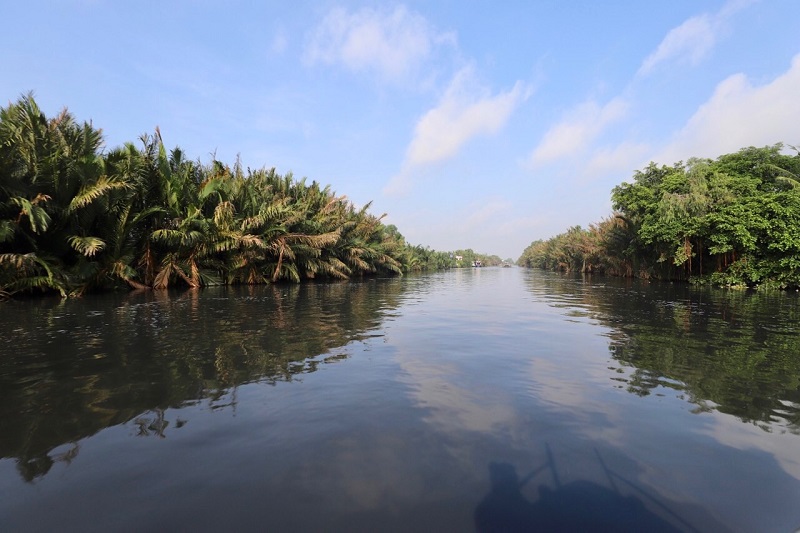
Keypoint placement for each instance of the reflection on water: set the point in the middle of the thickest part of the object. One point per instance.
(377, 406)
(733, 351)
(71, 368)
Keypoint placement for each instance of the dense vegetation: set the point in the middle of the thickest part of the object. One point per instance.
(730, 221)
(74, 217)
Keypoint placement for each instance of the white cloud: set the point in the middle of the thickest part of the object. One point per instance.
(740, 115)
(692, 41)
(460, 115)
(450, 406)
(751, 436)
(582, 125)
(467, 110)
(391, 44)
(622, 158)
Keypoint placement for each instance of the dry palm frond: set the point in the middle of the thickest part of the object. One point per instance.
(19, 261)
(252, 241)
(315, 241)
(223, 214)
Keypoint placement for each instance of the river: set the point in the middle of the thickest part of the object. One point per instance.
(493, 399)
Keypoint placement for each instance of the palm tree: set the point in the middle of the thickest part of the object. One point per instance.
(52, 179)
(74, 218)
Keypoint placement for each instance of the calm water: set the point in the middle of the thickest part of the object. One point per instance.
(484, 399)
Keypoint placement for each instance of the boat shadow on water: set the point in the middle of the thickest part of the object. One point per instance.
(576, 506)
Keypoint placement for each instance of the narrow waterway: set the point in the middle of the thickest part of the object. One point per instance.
(475, 399)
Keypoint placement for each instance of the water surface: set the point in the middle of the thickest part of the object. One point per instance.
(483, 399)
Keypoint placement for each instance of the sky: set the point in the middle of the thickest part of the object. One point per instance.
(472, 124)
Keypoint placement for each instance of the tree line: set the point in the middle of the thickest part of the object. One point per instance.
(75, 217)
(734, 220)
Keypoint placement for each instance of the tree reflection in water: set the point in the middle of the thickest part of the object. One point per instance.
(73, 368)
(729, 351)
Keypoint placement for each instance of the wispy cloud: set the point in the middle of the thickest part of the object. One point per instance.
(576, 134)
(483, 212)
(692, 41)
(391, 44)
(621, 158)
(740, 114)
(279, 42)
(577, 130)
(466, 110)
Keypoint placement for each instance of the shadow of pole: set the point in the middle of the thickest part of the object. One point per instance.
(611, 475)
(576, 506)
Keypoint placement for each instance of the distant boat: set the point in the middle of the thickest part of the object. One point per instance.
(477, 264)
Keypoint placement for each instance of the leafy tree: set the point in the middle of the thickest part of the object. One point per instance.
(733, 220)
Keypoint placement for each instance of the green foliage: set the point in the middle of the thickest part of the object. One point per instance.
(74, 218)
(731, 221)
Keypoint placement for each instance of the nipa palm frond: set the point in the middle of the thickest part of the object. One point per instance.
(37, 216)
(90, 193)
(87, 246)
(7, 230)
(315, 241)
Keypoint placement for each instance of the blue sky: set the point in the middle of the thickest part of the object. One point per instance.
(473, 124)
